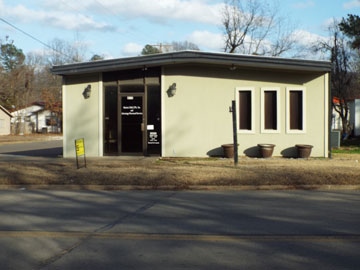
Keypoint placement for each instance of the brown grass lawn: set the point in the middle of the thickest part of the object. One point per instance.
(181, 173)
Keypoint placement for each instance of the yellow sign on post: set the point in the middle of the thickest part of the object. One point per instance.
(80, 151)
(79, 145)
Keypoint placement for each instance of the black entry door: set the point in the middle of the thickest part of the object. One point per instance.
(132, 124)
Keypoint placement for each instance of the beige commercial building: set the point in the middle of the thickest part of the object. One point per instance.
(177, 104)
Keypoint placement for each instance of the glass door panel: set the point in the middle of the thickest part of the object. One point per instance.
(132, 124)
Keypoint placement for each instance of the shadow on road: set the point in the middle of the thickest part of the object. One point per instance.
(48, 152)
(34, 149)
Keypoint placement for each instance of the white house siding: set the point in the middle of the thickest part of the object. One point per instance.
(34, 118)
(196, 121)
(81, 116)
(4, 123)
(336, 123)
(355, 116)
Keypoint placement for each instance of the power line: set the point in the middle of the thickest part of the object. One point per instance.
(32, 37)
(100, 4)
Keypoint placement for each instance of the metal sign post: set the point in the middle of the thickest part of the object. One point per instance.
(233, 110)
(80, 151)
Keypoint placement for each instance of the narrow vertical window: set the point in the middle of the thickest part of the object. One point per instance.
(270, 110)
(296, 110)
(245, 108)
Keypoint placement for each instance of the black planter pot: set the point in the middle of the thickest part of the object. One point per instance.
(228, 150)
(266, 150)
(303, 150)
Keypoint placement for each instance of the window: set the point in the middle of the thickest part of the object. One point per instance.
(245, 108)
(51, 120)
(270, 110)
(296, 110)
(48, 120)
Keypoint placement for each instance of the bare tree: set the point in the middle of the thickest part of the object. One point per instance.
(255, 27)
(283, 38)
(343, 73)
(175, 46)
(48, 84)
(63, 52)
(46, 87)
(184, 45)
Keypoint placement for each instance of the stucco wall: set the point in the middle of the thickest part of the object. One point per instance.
(196, 121)
(81, 116)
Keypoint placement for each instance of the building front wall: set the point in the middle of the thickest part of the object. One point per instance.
(197, 121)
(81, 116)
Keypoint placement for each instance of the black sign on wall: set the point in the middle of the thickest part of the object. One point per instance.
(154, 120)
(153, 137)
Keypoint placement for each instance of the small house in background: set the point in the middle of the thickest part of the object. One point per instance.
(355, 116)
(5, 119)
(336, 122)
(35, 119)
(177, 104)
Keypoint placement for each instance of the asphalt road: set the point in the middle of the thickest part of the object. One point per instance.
(51, 148)
(179, 230)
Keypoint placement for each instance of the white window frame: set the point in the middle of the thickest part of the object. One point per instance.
(303, 90)
(278, 110)
(252, 91)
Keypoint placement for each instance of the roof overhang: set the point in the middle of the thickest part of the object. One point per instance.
(5, 111)
(194, 57)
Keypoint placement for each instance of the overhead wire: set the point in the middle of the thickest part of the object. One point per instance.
(33, 37)
(104, 7)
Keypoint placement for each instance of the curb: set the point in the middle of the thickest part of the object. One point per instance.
(179, 188)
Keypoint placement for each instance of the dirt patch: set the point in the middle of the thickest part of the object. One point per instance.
(177, 173)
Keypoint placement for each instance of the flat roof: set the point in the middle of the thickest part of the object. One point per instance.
(193, 57)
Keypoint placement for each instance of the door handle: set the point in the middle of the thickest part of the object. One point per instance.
(142, 127)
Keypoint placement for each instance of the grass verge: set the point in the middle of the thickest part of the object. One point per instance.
(175, 173)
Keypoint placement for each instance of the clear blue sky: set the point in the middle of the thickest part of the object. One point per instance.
(118, 28)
